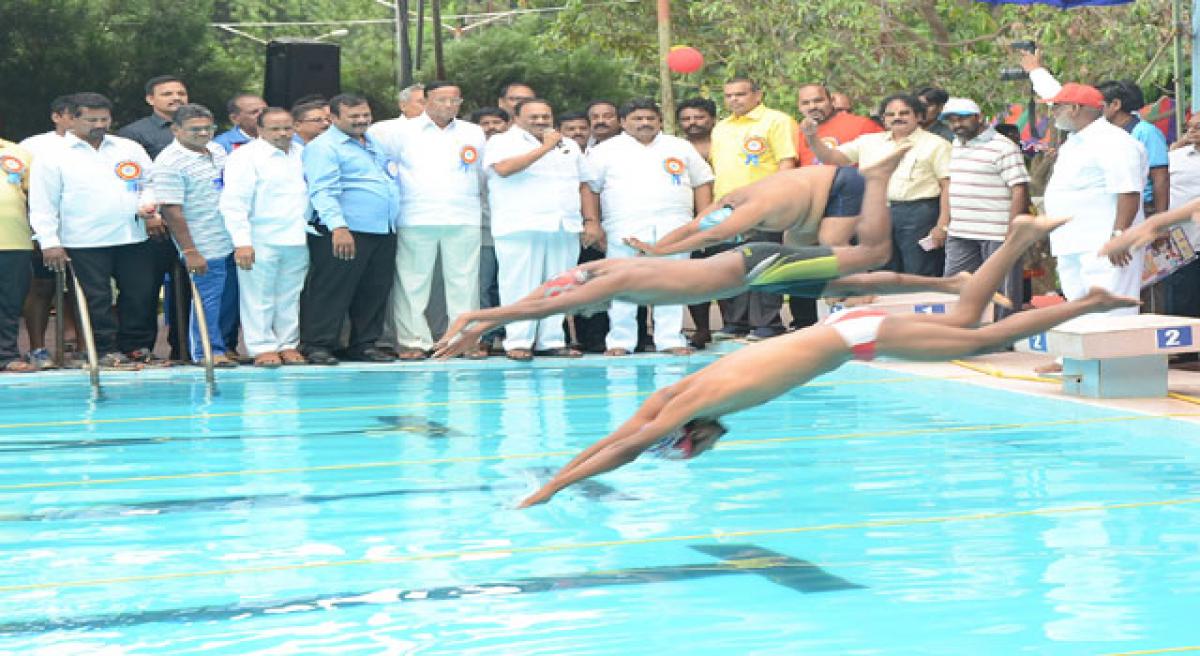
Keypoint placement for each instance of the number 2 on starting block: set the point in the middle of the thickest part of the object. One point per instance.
(1038, 342)
(1174, 337)
(930, 308)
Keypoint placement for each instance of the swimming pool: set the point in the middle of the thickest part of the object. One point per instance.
(369, 510)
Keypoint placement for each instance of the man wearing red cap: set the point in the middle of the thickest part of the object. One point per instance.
(1098, 179)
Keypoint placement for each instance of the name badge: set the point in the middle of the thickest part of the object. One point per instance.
(131, 173)
(12, 167)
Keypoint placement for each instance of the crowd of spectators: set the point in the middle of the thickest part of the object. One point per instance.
(314, 233)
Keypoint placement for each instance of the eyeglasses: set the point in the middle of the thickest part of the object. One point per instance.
(200, 129)
(318, 119)
(447, 101)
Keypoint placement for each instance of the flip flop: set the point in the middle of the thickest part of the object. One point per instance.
(520, 355)
(411, 354)
(292, 357)
(678, 350)
(267, 360)
(564, 352)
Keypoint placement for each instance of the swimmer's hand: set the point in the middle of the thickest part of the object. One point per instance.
(461, 337)
(535, 499)
(641, 246)
(1131, 239)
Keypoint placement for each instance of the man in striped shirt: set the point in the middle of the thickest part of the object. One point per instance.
(988, 187)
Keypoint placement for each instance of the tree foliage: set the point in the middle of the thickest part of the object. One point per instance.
(54, 47)
(593, 49)
(870, 49)
(483, 63)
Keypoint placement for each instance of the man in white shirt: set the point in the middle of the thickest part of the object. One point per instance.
(437, 157)
(649, 184)
(90, 205)
(1182, 287)
(36, 311)
(540, 203)
(1098, 179)
(265, 207)
(60, 116)
(411, 101)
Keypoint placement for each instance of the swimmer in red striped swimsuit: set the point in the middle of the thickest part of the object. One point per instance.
(681, 420)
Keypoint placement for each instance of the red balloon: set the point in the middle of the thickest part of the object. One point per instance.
(685, 59)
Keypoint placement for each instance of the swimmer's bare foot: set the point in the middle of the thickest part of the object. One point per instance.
(1103, 300)
(1026, 228)
(883, 169)
(955, 283)
(855, 301)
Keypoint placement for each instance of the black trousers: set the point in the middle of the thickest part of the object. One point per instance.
(135, 324)
(911, 222)
(166, 257)
(15, 275)
(360, 288)
(591, 331)
(755, 312)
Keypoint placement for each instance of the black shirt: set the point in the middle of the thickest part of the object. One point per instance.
(152, 132)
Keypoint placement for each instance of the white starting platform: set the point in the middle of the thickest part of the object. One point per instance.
(1116, 357)
(923, 303)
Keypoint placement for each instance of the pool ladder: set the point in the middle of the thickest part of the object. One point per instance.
(85, 321)
(85, 325)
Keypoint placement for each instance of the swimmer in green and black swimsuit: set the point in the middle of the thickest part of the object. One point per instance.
(809, 271)
(797, 271)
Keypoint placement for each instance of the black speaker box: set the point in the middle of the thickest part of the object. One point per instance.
(297, 68)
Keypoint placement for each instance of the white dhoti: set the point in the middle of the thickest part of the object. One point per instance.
(622, 316)
(417, 249)
(269, 300)
(526, 260)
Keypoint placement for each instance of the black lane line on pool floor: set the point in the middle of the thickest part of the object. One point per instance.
(589, 489)
(393, 424)
(792, 573)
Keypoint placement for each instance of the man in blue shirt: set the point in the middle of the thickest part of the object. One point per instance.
(243, 109)
(1121, 99)
(352, 259)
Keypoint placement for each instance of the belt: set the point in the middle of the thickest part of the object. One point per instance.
(893, 203)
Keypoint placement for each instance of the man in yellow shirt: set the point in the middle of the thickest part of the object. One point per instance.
(919, 192)
(16, 251)
(747, 146)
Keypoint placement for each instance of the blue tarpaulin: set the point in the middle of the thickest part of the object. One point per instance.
(1061, 4)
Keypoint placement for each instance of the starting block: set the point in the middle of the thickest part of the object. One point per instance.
(923, 303)
(1116, 357)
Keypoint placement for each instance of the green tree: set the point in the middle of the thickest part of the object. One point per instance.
(869, 49)
(482, 63)
(54, 47)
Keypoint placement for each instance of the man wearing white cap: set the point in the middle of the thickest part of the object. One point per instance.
(989, 185)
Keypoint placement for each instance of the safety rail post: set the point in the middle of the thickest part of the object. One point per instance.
(89, 339)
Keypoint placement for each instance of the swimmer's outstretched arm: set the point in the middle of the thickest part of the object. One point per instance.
(1153, 228)
(666, 410)
(745, 216)
(688, 229)
(467, 328)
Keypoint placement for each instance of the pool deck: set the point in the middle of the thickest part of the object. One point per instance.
(1008, 370)
(1015, 371)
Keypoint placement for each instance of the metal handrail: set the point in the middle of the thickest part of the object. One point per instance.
(205, 342)
(60, 329)
(85, 324)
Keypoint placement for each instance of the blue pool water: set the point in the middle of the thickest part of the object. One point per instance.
(370, 511)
